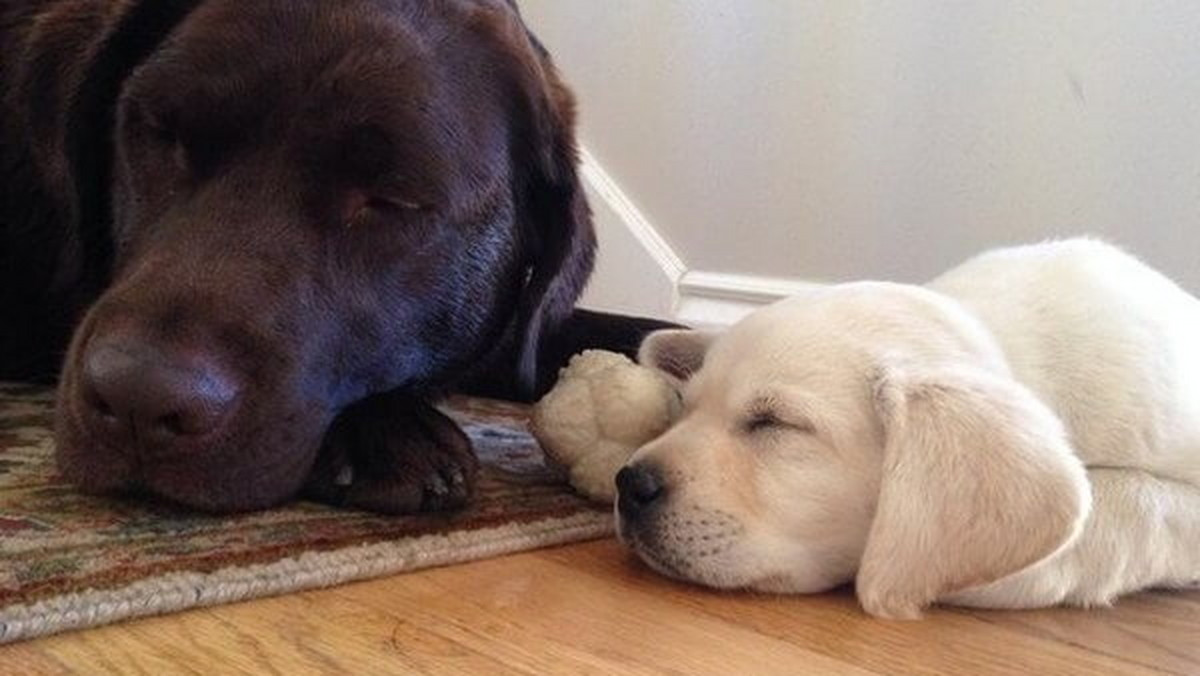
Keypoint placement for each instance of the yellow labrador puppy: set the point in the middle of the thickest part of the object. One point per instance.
(1023, 431)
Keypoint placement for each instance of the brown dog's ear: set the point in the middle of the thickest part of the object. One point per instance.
(978, 482)
(677, 353)
(558, 238)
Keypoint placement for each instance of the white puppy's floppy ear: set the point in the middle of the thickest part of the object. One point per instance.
(678, 353)
(978, 482)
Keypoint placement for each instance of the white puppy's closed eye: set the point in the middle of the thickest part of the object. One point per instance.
(978, 482)
(769, 413)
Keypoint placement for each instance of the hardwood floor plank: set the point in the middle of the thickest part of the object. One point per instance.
(543, 606)
(945, 642)
(313, 633)
(592, 609)
(29, 660)
(1159, 630)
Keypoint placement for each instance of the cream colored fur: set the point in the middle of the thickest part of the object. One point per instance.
(1023, 431)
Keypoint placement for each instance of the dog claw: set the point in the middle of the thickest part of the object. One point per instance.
(397, 456)
(437, 485)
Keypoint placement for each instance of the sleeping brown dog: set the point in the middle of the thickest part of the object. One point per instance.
(273, 231)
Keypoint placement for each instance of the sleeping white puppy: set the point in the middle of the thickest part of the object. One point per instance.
(1023, 431)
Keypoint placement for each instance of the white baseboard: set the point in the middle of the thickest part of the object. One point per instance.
(674, 290)
(719, 298)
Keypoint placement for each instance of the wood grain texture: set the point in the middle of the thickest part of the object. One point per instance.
(590, 609)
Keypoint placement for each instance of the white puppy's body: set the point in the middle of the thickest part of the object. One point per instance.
(1113, 348)
(1022, 431)
(1110, 345)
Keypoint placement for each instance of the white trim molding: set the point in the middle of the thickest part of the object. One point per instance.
(696, 297)
(719, 298)
(632, 217)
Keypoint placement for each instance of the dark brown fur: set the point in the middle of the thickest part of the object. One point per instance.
(348, 207)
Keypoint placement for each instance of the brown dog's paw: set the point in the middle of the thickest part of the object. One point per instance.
(395, 455)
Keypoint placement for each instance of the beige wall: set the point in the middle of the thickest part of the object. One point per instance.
(834, 139)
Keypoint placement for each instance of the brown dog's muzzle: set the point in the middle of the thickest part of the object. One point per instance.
(186, 385)
(155, 400)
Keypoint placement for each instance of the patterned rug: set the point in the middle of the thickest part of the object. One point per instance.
(69, 561)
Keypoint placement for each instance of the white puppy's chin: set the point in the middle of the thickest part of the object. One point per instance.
(797, 584)
(690, 545)
(715, 551)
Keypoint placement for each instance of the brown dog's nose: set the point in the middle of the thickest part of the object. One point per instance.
(638, 487)
(139, 393)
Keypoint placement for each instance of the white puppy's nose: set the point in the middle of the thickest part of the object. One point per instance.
(639, 487)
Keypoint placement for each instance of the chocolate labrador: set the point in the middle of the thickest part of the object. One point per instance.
(254, 240)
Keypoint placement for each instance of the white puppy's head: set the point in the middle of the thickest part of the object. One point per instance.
(867, 430)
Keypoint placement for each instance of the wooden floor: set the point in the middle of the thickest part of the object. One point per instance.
(590, 609)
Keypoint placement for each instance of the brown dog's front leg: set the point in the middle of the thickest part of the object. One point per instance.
(583, 330)
(395, 454)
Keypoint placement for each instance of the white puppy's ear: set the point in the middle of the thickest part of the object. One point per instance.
(978, 482)
(678, 353)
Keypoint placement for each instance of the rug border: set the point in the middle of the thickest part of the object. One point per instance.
(184, 590)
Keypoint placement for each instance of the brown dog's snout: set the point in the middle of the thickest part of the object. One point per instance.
(155, 398)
